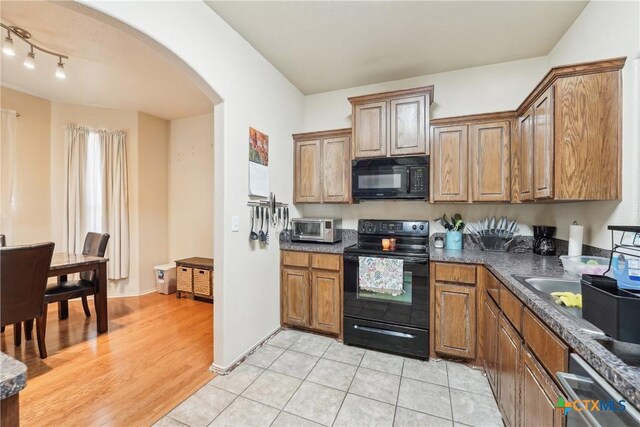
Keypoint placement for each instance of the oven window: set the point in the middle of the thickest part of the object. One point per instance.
(405, 298)
(376, 182)
(307, 229)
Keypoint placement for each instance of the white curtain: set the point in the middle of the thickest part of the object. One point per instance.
(7, 171)
(97, 193)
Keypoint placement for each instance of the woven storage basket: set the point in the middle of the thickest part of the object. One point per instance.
(202, 282)
(185, 278)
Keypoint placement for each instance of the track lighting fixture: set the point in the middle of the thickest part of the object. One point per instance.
(30, 61)
(60, 71)
(7, 47)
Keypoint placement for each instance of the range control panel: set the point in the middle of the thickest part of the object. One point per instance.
(391, 227)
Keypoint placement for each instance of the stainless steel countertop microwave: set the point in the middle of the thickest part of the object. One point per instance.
(322, 230)
(390, 178)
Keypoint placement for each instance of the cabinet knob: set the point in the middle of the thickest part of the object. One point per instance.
(567, 139)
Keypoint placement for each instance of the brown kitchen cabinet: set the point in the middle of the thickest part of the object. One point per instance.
(311, 291)
(520, 356)
(391, 123)
(489, 343)
(453, 292)
(471, 158)
(508, 370)
(449, 159)
(569, 135)
(538, 395)
(322, 167)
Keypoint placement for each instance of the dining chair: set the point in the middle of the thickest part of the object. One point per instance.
(95, 244)
(23, 280)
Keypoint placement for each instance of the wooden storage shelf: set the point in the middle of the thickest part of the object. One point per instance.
(195, 277)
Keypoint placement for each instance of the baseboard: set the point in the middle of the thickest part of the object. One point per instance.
(224, 370)
(131, 295)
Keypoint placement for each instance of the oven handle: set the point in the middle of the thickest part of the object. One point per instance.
(384, 332)
(406, 260)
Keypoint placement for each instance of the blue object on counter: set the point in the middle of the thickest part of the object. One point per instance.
(628, 276)
(454, 240)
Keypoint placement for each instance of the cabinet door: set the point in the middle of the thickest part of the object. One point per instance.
(490, 145)
(455, 320)
(326, 301)
(587, 146)
(490, 312)
(543, 155)
(336, 170)
(295, 296)
(408, 126)
(538, 395)
(509, 346)
(449, 164)
(307, 185)
(370, 122)
(524, 156)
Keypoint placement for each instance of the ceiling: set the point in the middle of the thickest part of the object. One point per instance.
(327, 45)
(107, 67)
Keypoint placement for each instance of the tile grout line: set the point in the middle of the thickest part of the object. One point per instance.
(350, 384)
(449, 391)
(303, 380)
(395, 409)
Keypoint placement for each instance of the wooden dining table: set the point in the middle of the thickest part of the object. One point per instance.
(63, 264)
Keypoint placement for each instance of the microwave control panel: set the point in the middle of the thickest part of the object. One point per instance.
(418, 181)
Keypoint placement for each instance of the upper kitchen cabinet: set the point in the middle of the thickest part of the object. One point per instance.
(569, 135)
(391, 123)
(470, 158)
(322, 167)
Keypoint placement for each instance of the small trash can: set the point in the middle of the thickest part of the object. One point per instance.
(166, 278)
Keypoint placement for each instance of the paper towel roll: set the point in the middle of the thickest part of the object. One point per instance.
(576, 232)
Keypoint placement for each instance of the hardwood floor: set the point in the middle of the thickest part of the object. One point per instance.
(157, 352)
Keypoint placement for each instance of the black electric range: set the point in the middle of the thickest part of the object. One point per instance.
(400, 323)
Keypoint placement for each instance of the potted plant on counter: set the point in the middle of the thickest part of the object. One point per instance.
(454, 227)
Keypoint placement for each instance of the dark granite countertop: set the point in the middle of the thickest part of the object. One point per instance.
(625, 378)
(13, 376)
(349, 237)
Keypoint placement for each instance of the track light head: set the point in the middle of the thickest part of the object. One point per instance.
(60, 73)
(7, 47)
(29, 61)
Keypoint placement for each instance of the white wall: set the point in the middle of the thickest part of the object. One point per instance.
(609, 30)
(255, 94)
(604, 30)
(191, 187)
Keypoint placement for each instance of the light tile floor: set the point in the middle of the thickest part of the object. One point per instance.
(302, 379)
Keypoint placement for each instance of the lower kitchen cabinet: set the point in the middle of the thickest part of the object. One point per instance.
(520, 361)
(295, 296)
(489, 325)
(311, 291)
(538, 395)
(455, 320)
(326, 301)
(509, 347)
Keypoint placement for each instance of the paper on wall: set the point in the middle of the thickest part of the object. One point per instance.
(258, 180)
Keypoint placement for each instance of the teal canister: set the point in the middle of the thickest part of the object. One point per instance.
(454, 240)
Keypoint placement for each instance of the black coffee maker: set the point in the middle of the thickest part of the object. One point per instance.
(543, 242)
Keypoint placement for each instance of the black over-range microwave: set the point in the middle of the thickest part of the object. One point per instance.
(390, 178)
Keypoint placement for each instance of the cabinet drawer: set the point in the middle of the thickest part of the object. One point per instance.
(511, 307)
(185, 279)
(552, 353)
(492, 286)
(325, 261)
(456, 273)
(295, 259)
(202, 282)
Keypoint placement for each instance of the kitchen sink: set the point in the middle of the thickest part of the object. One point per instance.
(549, 284)
(544, 286)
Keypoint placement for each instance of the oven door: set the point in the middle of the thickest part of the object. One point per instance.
(409, 309)
(380, 182)
(308, 230)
